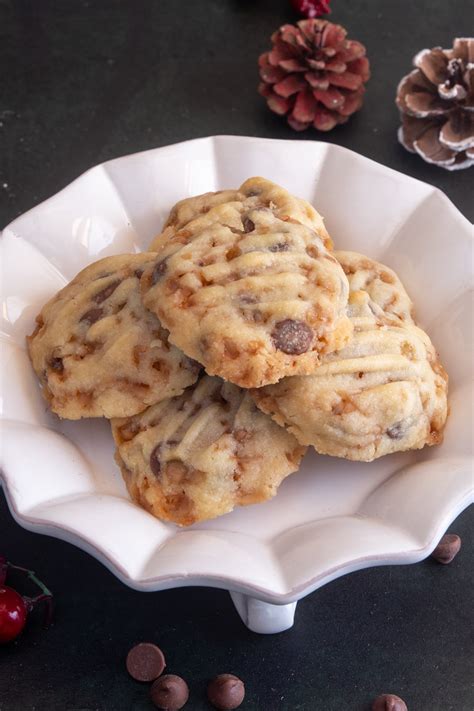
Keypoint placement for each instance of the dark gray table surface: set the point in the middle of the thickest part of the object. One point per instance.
(84, 81)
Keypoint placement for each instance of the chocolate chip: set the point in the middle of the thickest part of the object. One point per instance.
(155, 465)
(396, 431)
(280, 247)
(226, 692)
(145, 661)
(447, 549)
(56, 364)
(105, 293)
(169, 692)
(292, 337)
(248, 298)
(158, 271)
(389, 702)
(248, 224)
(92, 316)
(138, 273)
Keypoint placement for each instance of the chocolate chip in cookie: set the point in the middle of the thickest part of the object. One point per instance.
(248, 224)
(155, 464)
(56, 364)
(105, 293)
(280, 247)
(396, 431)
(91, 316)
(158, 272)
(247, 298)
(292, 337)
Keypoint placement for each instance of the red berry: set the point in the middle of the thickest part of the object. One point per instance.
(311, 8)
(12, 614)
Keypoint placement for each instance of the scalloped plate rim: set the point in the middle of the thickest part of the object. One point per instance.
(224, 136)
(166, 582)
(450, 510)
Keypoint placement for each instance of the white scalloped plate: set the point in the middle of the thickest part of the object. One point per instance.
(332, 517)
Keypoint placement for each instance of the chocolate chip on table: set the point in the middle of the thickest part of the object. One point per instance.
(105, 293)
(155, 464)
(292, 337)
(248, 224)
(447, 549)
(145, 661)
(158, 271)
(92, 316)
(226, 692)
(169, 692)
(389, 702)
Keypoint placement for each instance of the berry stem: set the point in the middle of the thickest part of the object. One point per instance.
(32, 576)
(45, 596)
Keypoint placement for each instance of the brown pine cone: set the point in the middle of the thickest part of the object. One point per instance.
(436, 102)
(314, 74)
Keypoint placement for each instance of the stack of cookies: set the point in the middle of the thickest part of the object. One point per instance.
(237, 341)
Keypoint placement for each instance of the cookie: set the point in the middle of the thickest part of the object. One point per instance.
(384, 392)
(255, 192)
(379, 281)
(98, 352)
(250, 293)
(190, 208)
(200, 454)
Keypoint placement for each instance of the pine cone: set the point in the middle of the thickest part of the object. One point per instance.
(314, 74)
(436, 102)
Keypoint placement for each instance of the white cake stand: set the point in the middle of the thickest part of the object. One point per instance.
(331, 518)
